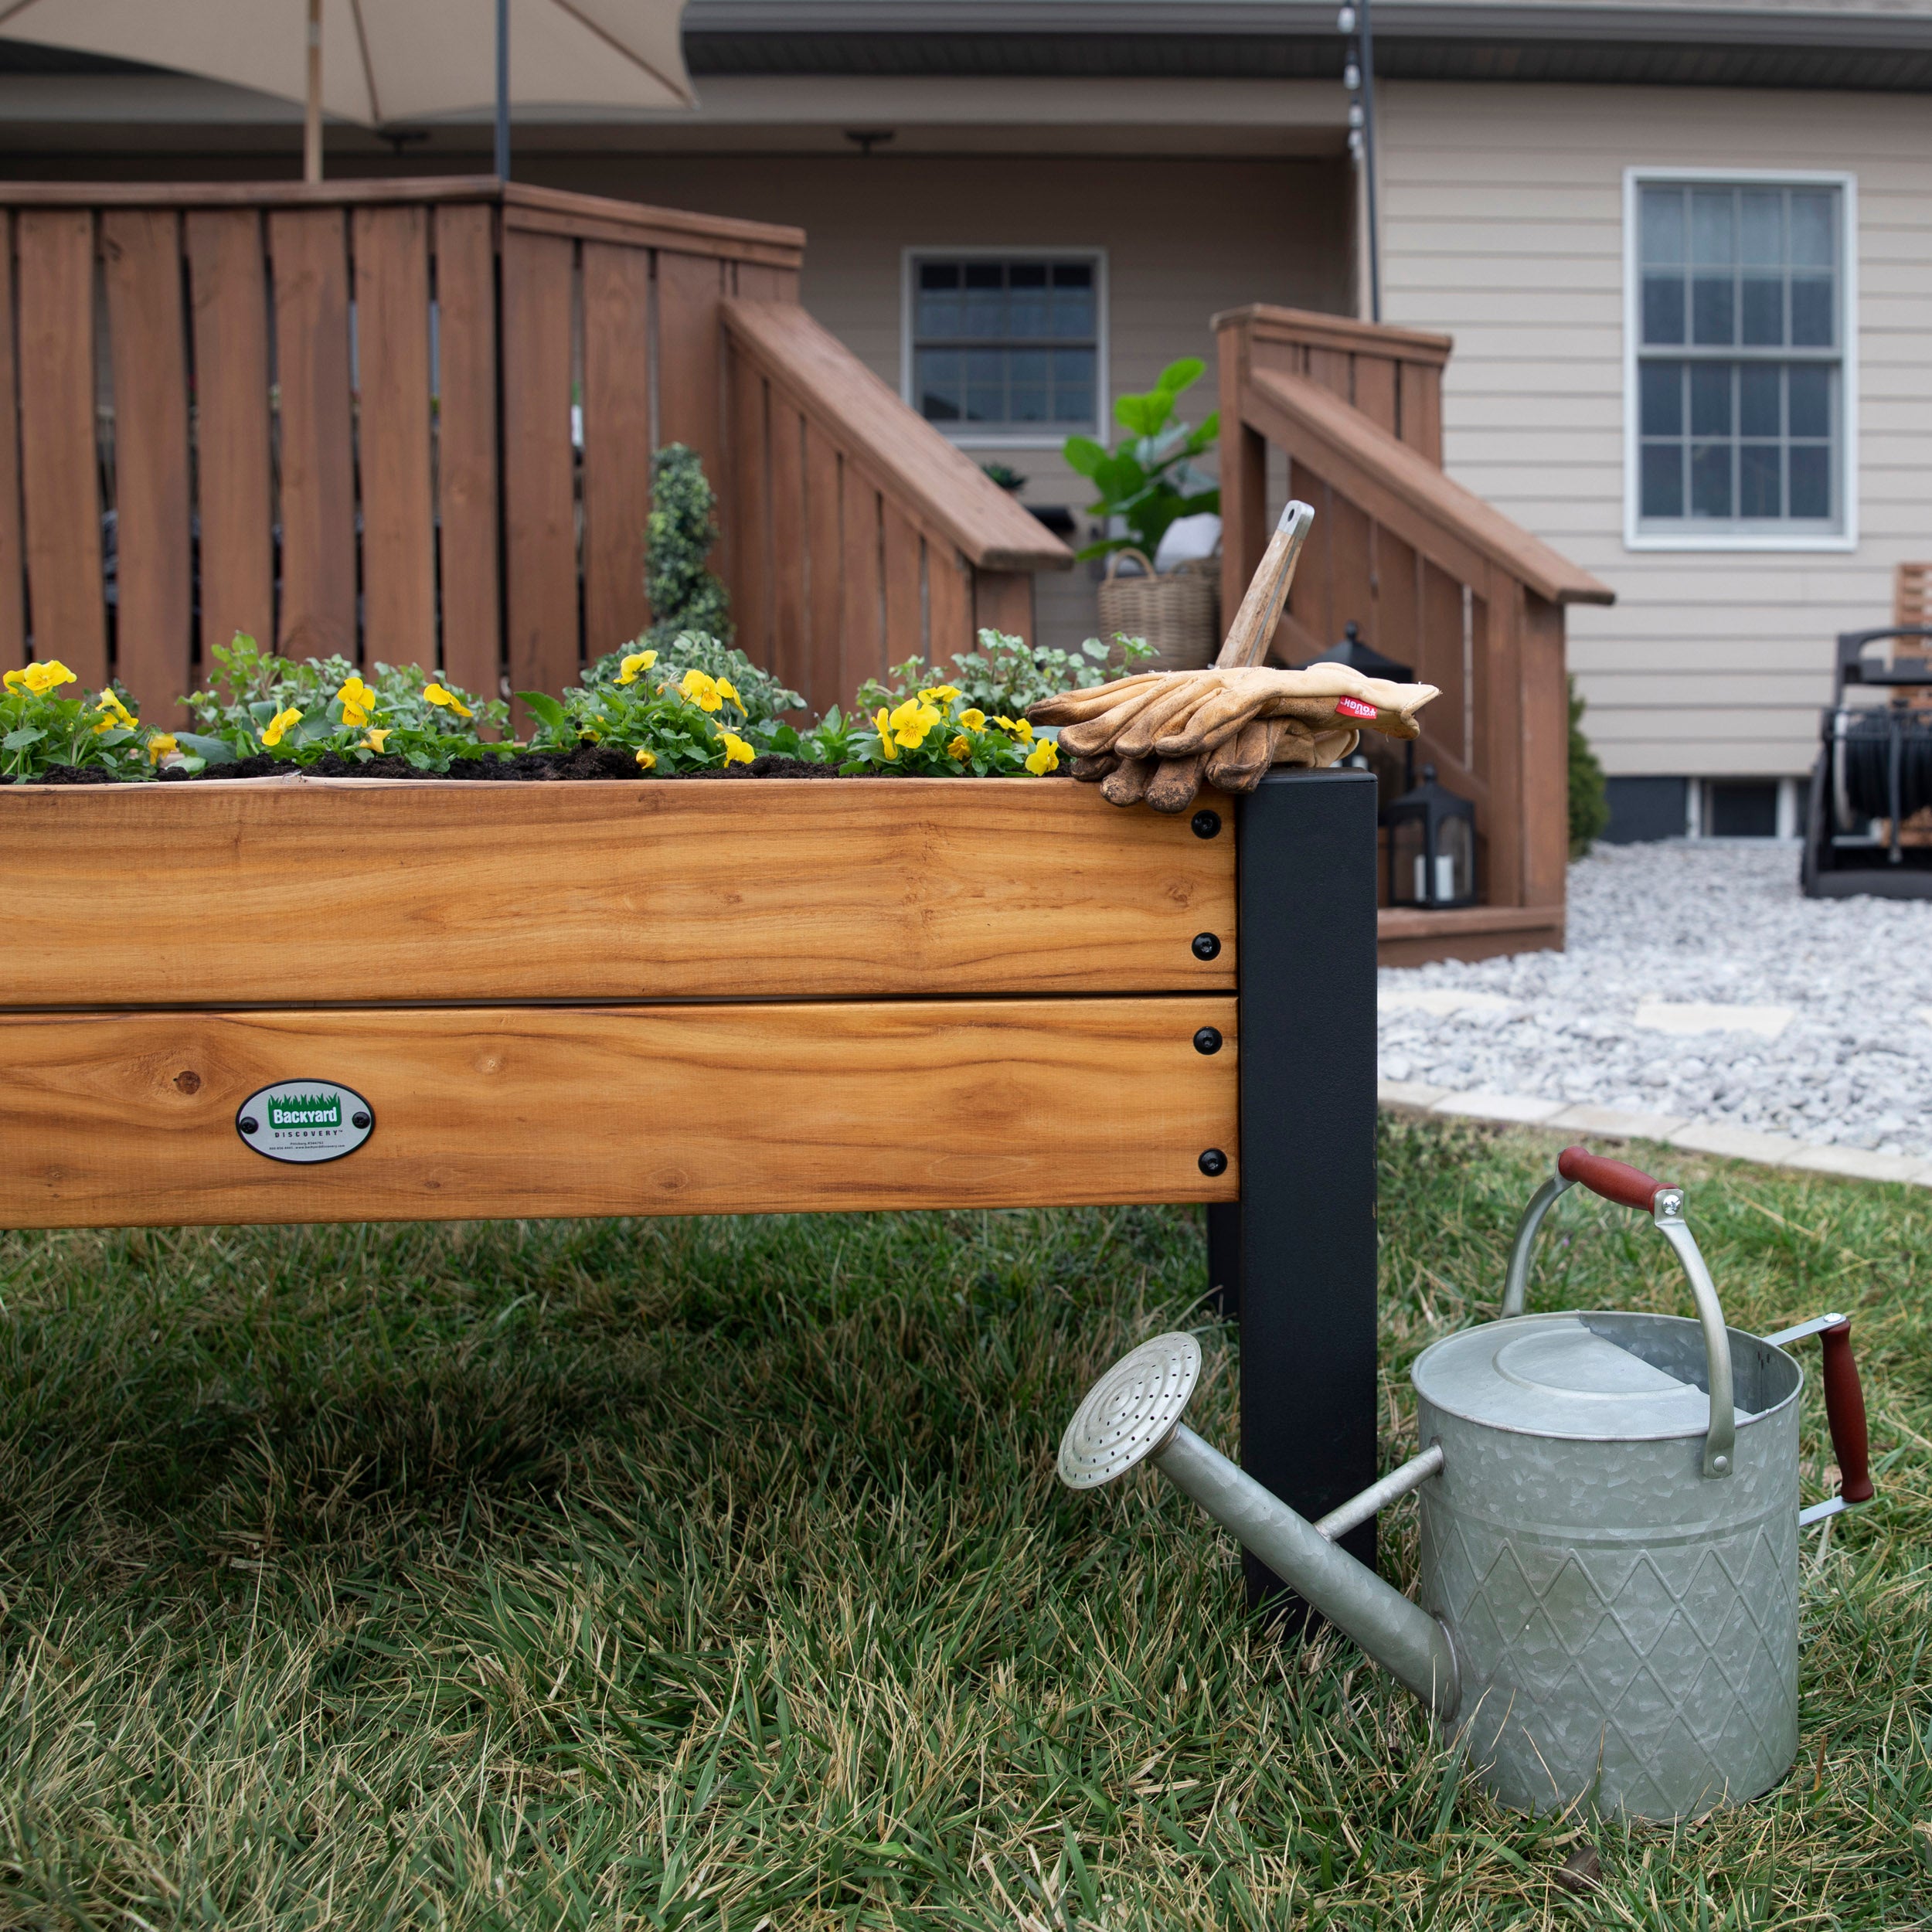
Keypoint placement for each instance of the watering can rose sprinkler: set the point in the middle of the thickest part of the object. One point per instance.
(1610, 1522)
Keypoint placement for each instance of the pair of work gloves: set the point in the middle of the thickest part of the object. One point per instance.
(1159, 736)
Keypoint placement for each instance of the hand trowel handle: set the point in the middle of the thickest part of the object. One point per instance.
(1845, 1411)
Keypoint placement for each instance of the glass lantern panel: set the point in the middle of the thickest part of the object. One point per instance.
(1408, 879)
(1455, 860)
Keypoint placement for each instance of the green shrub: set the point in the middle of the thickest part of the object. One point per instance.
(1588, 796)
(762, 696)
(685, 595)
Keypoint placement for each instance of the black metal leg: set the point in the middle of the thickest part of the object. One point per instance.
(1307, 1240)
(1224, 1258)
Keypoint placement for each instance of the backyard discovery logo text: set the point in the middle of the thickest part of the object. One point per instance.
(304, 1121)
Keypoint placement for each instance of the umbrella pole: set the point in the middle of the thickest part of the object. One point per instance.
(502, 89)
(312, 117)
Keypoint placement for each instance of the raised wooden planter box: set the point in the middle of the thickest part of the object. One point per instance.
(718, 997)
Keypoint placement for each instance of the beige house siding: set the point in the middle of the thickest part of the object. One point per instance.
(1183, 238)
(1503, 223)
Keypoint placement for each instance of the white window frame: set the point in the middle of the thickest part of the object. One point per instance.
(971, 439)
(1636, 537)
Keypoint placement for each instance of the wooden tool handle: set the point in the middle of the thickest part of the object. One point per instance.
(1253, 630)
(1617, 1180)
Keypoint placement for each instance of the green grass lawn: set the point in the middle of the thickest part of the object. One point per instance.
(704, 1572)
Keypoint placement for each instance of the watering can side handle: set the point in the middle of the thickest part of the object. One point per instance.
(1845, 1411)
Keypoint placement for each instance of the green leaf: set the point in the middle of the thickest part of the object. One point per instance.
(546, 709)
(1083, 454)
(1181, 374)
(19, 740)
(213, 751)
(1143, 414)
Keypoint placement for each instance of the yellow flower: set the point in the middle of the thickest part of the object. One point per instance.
(39, 679)
(15, 680)
(646, 757)
(159, 746)
(736, 751)
(276, 725)
(938, 694)
(1043, 759)
(376, 739)
(911, 722)
(726, 689)
(960, 749)
(114, 713)
(637, 660)
(1022, 731)
(357, 701)
(436, 695)
(973, 720)
(702, 691)
(886, 745)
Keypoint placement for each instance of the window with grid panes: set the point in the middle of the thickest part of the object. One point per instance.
(1006, 345)
(1740, 357)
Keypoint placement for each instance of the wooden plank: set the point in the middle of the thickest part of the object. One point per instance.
(13, 561)
(616, 443)
(1398, 581)
(1311, 596)
(1352, 594)
(1003, 601)
(392, 247)
(228, 282)
(949, 602)
(496, 1112)
(864, 614)
(902, 560)
(539, 509)
(466, 428)
(856, 888)
(309, 250)
(59, 469)
(747, 491)
(154, 640)
(1420, 404)
(689, 404)
(1375, 391)
(827, 682)
(764, 282)
(1544, 711)
(788, 555)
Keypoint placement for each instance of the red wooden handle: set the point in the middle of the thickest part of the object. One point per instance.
(1614, 1180)
(1844, 1410)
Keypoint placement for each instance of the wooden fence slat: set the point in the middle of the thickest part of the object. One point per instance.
(616, 443)
(154, 643)
(863, 618)
(949, 600)
(748, 481)
(540, 510)
(827, 682)
(228, 280)
(13, 563)
(905, 599)
(59, 468)
(788, 542)
(689, 288)
(466, 430)
(755, 281)
(392, 427)
(1003, 601)
(309, 251)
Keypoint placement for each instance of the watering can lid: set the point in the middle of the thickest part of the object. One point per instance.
(1558, 1375)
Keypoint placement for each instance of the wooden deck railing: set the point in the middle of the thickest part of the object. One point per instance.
(412, 420)
(1434, 577)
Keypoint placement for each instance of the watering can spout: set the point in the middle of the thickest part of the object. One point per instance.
(1133, 1413)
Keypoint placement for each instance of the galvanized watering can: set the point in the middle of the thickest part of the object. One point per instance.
(1610, 1520)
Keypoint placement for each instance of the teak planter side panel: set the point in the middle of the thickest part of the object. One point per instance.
(126, 1119)
(354, 891)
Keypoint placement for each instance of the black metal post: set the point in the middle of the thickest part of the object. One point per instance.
(502, 90)
(1305, 1265)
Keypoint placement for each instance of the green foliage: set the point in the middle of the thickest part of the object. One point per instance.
(694, 724)
(761, 695)
(1149, 478)
(40, 728)
(1004, 475)
(935, 732)
(261, 704)
(685, 595)
(1589, 795)
(1006, 674)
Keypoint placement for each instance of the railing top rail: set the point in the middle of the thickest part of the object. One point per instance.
(950, 492)
(599, 214)
(1268, 323)
(1336, 438)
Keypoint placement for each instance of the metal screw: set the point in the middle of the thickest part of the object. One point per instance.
(358, 1119)
(1208, 1040)
(1720, 1464)
(1206, 946)
(1206, 824)
(1214, 1163)
(249, 1124)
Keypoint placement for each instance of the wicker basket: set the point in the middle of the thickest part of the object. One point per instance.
(1180, 614)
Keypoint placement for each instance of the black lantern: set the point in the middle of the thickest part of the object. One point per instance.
(1432, 847)
(1364, 657)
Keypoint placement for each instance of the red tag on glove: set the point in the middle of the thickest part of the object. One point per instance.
(1353, 708)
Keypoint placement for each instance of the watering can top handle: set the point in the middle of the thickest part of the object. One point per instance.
(1627, 1186)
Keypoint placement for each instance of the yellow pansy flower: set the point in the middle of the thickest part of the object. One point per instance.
(736, 751)
(358, 702)
(40, 678)
(273, 732)
(1043, 759)
(637, 660)
(961, 748)
(702, 691)
(647, 757)
(15, 680)
(114, 713)
(727, 689)
(974, 720)
(938, 694)
(438, 695)
(159, 746)
(377, 739)
(884, 722)
(911, 722)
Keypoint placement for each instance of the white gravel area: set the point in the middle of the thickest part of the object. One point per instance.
(1698, 982)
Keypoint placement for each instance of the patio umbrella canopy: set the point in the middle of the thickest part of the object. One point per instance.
(385, 61)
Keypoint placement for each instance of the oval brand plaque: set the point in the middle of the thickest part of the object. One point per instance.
(304, 1121)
